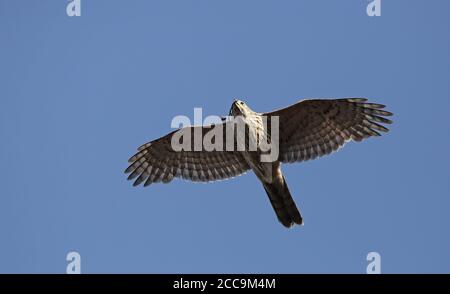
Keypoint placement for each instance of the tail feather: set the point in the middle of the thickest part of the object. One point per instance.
(283, 203)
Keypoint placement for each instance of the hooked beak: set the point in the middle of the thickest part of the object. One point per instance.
(235, 105)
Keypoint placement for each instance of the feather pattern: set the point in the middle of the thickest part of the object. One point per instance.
(156, 161)
(316, 127)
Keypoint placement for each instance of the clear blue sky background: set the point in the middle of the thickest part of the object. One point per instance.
(79, 94)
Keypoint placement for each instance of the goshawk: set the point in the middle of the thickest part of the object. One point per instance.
(306, 130)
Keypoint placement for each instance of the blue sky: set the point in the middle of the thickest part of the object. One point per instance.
(79, 94)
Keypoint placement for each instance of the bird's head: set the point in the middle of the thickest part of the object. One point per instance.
(239, 108)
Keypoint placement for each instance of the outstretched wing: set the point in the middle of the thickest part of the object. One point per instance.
(157, 161)
(312, 128)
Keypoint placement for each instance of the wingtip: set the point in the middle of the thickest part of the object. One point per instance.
(357, 99)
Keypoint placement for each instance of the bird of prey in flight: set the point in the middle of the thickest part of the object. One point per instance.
(306, 130)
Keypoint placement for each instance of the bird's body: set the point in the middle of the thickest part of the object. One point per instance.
(303, 131)
(269, 173)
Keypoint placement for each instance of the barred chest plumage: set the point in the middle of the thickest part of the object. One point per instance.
(251, 129)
